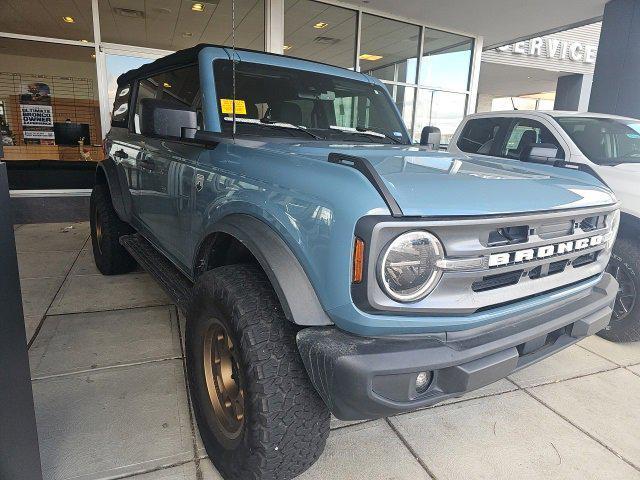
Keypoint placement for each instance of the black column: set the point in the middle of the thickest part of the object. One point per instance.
(19, 451)
(615, 83)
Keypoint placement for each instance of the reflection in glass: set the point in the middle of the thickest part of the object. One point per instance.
(447, 112)
(423, 112)
(320, 32)
(403, 97)
(389, 49)
(174, 25)
(446, 60)
(444, 110)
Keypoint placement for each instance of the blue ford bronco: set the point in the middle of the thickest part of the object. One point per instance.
(323, 262)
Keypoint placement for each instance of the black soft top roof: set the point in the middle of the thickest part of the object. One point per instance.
(181, 57)
(190, 56)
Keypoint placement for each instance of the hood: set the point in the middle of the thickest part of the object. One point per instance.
(428, 183)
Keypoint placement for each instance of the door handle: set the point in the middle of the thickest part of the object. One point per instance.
(120, 154)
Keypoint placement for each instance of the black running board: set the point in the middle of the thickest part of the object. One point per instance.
(172, 280)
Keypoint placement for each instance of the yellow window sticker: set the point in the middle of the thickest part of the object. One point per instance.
(226, 104)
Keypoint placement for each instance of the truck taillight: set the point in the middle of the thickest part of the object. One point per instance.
(358, 260)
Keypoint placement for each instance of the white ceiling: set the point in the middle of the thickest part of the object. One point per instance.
(499, 21)
(509, 81)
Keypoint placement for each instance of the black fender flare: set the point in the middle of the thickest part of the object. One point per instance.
(121, 200)
(289, 280)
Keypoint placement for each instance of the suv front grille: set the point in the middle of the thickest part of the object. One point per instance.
(492, 282)
(491, 261)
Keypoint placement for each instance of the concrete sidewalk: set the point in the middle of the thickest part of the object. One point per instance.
(109, 387)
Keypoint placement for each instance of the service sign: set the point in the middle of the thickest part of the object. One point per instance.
(36, 115)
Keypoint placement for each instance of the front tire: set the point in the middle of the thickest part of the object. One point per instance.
(625, 267)
(258, 414)
(106, 229)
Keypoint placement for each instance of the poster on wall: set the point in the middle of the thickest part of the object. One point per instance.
(36, 114)
(35, 93)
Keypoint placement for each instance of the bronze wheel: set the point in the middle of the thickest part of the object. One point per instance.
(106, 229)
(224, 380)
(98, 227)
(258, 414)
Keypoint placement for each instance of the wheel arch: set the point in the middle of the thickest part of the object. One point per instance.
(238, 238)
(107, 174)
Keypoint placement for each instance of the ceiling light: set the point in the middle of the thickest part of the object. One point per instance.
(166, 85)
(197, 7)
(368, 56)
(187, 35)
(321, 25)
(68, 19)
(286, 47)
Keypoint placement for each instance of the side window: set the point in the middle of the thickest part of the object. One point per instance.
(181, 86)
(120, 114)
(524, 133)
(480, 135)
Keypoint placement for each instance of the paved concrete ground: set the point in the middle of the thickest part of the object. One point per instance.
(109, 387)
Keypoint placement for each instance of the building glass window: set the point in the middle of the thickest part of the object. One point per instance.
(67, 20)
(51, 111)
(446, 60)
(404, 98)
(444, 110)
(176, 25)
(389, 49)
(320, 32)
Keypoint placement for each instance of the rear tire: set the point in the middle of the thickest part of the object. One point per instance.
(275, 425)
(625, 267)
(106, 229)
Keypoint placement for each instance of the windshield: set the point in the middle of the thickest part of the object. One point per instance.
(605, 141)
(273, 101)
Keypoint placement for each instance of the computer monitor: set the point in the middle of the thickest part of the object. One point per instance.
(69, 134)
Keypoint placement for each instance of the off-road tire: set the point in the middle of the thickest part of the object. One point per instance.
(106, 229)
(286, 423)
(626, 256)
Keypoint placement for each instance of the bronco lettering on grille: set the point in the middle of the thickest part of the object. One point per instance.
(519, 256)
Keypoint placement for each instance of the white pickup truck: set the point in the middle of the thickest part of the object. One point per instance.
(608, 146)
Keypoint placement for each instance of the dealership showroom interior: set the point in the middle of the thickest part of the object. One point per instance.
(319, 239)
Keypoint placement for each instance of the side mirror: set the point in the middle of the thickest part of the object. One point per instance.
(430, 137)
(165, 118)
(540, 153)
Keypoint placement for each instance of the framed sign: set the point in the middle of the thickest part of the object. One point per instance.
(39, 134)
(36, 115)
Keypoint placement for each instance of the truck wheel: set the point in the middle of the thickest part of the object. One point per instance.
(625, 267)
(106, 229)
(257, 412)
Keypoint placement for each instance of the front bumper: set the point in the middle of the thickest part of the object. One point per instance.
(367, 377)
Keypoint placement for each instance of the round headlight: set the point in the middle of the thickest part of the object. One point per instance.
(407, 268)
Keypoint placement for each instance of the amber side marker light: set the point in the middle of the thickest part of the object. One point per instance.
(358, 260)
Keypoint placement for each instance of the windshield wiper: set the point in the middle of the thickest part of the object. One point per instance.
(270, 123)
(364, 131)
